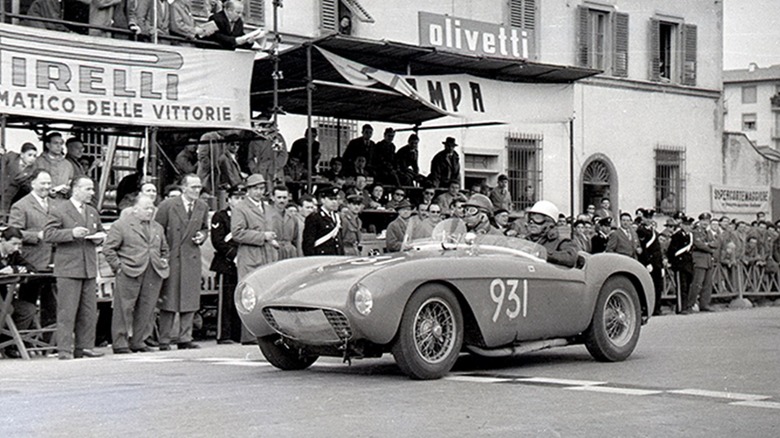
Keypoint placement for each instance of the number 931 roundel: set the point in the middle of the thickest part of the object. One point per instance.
(453, 293)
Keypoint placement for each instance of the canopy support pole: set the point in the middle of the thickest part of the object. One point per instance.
(571, 171)
(310, 140)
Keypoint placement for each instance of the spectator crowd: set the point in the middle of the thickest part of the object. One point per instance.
(154, 248)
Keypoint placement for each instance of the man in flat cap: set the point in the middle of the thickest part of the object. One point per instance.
(322, 230)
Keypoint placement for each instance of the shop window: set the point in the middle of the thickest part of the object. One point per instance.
(749, 122)
(749, 94)
(524, 164)
(669, 179)
(673, 51)
(602, 40)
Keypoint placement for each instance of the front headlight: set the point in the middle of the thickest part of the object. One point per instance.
(363, 300)
(246, 298)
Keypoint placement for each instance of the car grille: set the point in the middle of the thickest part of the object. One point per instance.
(309, 324)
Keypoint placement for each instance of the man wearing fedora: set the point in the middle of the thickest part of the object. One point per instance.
(396, 230)
(445, 165)
(252, 228)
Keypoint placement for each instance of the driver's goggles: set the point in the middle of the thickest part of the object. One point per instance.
(472, 211)
(537, 219)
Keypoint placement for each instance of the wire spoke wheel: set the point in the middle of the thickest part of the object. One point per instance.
(434, 330)
(614, 330)
(430, 334)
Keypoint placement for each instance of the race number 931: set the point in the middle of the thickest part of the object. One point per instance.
(504, 293)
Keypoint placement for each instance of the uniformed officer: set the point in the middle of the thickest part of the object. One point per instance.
(322, 230)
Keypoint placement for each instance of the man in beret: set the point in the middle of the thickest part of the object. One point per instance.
(396, 230)
(322, 229)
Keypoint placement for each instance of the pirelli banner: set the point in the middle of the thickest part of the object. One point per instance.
(72, 77)
(727, 199)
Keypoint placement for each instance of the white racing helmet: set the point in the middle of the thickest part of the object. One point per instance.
(545, 208)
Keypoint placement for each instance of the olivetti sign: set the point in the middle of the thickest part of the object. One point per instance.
(472, 37)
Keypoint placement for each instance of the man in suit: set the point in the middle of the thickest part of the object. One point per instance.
(705, 245)
(624, 240)
(30, 215)
(230, 27)
(598, 243)
(680, 255)
(137, 252)
(223, 263)
(252, 228)
(70, 225)
(362, 146)
(322, 230)
(185, 221)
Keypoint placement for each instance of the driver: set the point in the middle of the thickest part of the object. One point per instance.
(542, 230)
(478, 210)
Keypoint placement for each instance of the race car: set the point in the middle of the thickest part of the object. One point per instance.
(453, 293)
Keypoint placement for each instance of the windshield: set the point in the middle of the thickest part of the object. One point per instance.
(452, 234)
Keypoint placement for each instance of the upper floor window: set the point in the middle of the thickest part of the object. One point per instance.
(602, 40)
(672, 51)
(749, 94)
(749, 122)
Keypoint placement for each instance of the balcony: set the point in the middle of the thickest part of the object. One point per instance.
(775, 101)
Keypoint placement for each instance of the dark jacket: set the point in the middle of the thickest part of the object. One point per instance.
(560, 251)
(225, 249)
(226, 34)
(680, 251)
(318, 225)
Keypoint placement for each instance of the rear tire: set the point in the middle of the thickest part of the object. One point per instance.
(430, 335)
(284, 357)
(614, 330)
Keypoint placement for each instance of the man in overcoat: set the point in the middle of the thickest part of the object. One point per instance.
(252, 229)
(185, 221)
(72, 226)
(137, 252)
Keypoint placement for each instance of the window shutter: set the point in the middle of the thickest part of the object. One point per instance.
(689, 55)
(655, 50)
(522, 14)
(620, 66)
(328, 14)
(583, 37)
(255, 12)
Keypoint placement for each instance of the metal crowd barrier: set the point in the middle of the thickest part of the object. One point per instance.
(737, 281)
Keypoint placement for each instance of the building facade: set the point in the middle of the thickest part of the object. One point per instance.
(648, 127)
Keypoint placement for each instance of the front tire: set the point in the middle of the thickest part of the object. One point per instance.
(283, 356)
(614, 331)
(431, 333)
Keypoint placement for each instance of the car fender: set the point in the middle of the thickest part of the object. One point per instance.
(600, 267)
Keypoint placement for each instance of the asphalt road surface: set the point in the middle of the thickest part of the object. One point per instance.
(701, 375)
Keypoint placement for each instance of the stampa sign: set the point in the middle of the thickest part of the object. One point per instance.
(70, 77)
(476, 38)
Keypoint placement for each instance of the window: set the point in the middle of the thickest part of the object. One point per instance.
(524, 162)
(673, 52)
(333, 136)
(749, 122)
(602, 40)
(522, 14)
(749, 94)
(339, 15)
(669, 179)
